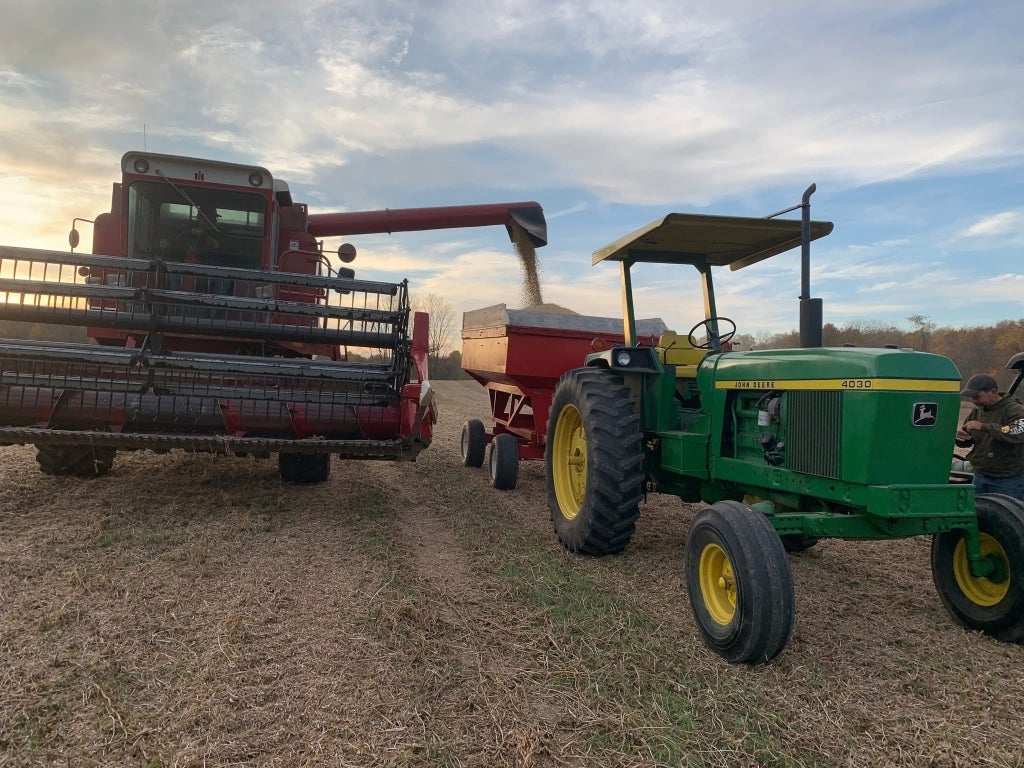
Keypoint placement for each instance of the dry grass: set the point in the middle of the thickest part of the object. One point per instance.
(189, 611)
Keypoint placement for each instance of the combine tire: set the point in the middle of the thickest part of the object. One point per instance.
(594, 462)
(994, 604)
(503, 462)
(75, 460)
(741, 588)
(304, 467)
(474, 441)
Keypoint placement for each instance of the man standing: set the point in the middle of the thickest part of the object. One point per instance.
(995, 431)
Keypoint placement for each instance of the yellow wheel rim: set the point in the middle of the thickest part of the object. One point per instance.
(978, 589)
(717, 584)
(569, 462)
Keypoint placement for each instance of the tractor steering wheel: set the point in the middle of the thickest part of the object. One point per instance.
(714, 341)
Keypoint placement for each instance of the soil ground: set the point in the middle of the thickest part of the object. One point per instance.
(195, 611)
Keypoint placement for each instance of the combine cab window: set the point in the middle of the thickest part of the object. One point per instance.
(185, 223)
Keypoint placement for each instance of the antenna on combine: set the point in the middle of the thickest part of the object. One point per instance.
(144, 149)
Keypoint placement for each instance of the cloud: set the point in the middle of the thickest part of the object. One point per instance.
(998, 224)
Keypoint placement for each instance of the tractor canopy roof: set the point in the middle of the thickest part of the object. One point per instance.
(701, 240)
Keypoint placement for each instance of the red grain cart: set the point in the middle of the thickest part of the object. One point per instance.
(519, 355)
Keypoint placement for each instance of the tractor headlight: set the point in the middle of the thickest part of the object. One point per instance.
(622, 359)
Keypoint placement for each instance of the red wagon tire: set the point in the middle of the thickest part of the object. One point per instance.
(503, 463)
(473, 444)
(594, 461)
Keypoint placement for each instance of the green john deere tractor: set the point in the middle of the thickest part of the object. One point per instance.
(782, 447)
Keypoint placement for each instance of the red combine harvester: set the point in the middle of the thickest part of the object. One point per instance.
(519, 356)
(219, 325)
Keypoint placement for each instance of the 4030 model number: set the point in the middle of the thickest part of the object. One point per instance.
(856, 384)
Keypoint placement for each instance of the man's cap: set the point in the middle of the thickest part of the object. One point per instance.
(980, 382)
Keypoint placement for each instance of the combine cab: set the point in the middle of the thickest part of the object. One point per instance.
(218, 325)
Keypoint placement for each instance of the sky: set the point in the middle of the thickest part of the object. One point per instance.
(907, 115)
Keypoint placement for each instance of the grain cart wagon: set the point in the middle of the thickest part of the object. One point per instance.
(519, 355)
(218, 325)
(781, 447)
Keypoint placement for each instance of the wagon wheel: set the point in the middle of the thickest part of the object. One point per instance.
(993, 604)
(304, 467)
(594, 462)
(740, 584)
(503, 462)
(474, 443)
(75, 460)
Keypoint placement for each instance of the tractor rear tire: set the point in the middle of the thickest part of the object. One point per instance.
(304, 468)
(740, 584)
(594, 462)
(503, 462)
(474, 443)
(976, 602)
(75, 460)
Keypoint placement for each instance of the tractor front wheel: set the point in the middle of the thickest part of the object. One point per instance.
(503, 462)
(304, 467)
(993, 604)
(474, 442)
(594, 462)
(740, 584)
(75, 460)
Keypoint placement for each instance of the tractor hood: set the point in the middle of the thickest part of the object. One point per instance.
(836, 368)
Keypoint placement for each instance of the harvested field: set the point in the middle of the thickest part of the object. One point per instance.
(193, 611)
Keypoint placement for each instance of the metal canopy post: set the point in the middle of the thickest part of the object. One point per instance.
(628, 320)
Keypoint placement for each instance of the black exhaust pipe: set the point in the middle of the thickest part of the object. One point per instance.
(810, 309)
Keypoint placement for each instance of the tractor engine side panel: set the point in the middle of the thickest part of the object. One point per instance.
(852, 426)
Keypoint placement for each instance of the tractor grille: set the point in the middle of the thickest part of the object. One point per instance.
(814, 437)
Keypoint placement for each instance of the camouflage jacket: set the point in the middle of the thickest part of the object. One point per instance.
(998, 448)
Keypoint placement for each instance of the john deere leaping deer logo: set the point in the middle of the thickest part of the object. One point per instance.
(924, 414)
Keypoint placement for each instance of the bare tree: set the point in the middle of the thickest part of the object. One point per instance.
(442, 324)
(924, 328)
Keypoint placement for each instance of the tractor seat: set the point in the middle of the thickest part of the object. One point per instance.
(675, 349)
